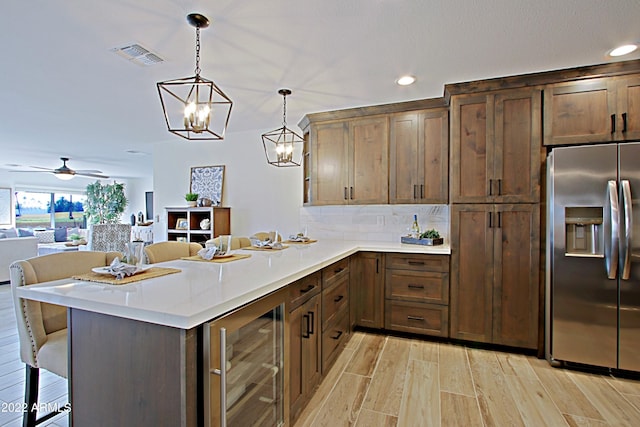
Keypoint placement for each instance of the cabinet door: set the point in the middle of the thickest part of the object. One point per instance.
(628, 110)
(369, 151)
(471, 273)
(579, 112)
(518, 129)
(305, 354)
(404, 158)
(471, 152)
(516, 278)
(433, 156)
(330, 163)
(367, 290)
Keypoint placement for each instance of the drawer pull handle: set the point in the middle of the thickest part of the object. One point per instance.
(414, 286)
(338, 298)
(624, 122)
(311, 322)
(415, 262)
(338, 335)
(307, 289)
(415, 318)
(306, 333)
(338, 270)
(613, 123)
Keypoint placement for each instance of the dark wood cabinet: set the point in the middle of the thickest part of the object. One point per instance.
(305, 342)
(495, 147)
(329, 163)
(495, 273)
(418, 156)
(417, 294)
(335, 311)
(350, 162)
(592, 110)
(367, 290)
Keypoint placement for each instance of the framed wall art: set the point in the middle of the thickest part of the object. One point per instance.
(5, 206)
(207, 182)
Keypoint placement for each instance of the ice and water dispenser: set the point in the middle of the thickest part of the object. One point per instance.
(584, 231)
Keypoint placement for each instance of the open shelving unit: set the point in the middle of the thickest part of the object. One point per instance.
(219, 219)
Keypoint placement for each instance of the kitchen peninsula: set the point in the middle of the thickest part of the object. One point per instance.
(135, 352)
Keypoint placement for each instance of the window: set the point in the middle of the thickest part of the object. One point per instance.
(33, 209)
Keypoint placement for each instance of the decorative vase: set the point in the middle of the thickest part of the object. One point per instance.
(205, 224)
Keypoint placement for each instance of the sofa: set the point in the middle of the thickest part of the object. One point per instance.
(14, 249)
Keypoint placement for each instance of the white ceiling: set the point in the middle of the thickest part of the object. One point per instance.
(64, 93)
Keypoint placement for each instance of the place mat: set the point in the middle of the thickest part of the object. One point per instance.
(293, 242)
(254, 248)
(103, 278)
(218, 260)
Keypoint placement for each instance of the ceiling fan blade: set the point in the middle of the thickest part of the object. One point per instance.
(86, 171)
(44, 169)
(92, 175)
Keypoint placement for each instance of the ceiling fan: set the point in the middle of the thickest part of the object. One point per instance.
(65, 173)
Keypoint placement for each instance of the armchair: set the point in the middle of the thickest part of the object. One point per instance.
(108, 237)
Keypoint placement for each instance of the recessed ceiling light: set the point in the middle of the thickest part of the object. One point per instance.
(406, 80)
(623, 50)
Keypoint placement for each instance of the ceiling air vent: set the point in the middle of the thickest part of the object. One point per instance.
(137, 54)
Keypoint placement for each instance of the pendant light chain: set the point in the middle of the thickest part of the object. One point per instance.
(197, 51)
(284, 111)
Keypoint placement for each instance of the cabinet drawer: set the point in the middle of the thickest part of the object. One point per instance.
(418, 262)
(303, 289)
(419, 286)
(334, 339)
(334, 300)
(335, 272)
(418, 318)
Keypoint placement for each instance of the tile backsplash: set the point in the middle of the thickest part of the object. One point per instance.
(372, 222)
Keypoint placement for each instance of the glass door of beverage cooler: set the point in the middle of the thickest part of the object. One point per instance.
(250, 388)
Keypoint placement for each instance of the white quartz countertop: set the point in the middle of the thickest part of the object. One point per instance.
(204, 290)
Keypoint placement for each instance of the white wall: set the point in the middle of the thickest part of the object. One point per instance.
(261, 197)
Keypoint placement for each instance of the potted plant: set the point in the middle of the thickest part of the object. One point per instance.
(105, 203)
(191, 199)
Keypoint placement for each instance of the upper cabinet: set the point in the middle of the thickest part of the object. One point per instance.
(592, 110)
(350, 162)
(495, 147)
(419, 156)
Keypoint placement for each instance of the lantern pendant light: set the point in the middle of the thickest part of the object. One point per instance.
(195, 108)
(283, 147)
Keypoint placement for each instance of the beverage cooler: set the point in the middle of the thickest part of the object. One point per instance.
(593, 255)
(248, 385)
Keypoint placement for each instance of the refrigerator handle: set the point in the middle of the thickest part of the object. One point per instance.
(611, 230)
(628, 229)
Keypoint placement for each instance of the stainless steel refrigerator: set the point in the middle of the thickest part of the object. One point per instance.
(593, 255)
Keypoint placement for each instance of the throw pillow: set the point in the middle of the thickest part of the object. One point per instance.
(10, 232)
(47, 236)
(24, 232)
(60, 234)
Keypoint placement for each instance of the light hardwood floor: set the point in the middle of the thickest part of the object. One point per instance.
(389, 381)
(53, 389)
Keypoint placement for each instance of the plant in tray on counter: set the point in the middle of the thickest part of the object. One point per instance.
(430, 234)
